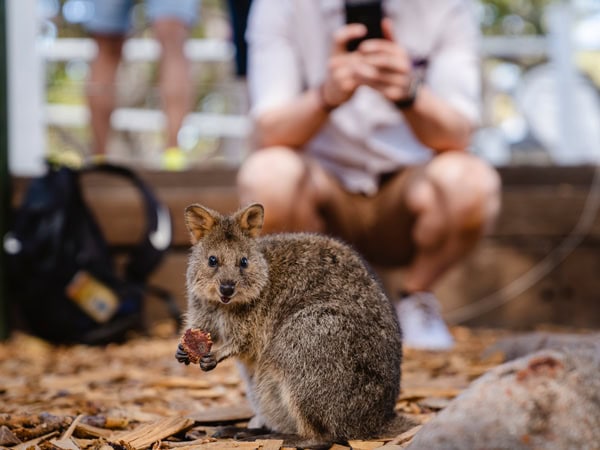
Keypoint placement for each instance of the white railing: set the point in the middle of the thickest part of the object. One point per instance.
(514, 46)
(204, 50)
(150, 120)
(137, 119)
(66, 49)
(200, 50)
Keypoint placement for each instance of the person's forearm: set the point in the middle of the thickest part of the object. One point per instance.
(436, 124)
(293, 124)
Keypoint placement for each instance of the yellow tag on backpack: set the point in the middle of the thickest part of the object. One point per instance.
(95, 298)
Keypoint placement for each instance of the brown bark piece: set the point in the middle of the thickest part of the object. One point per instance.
(33, 442)
(434, 391)
(19, 420)
(7, 437)
(223, 414)
(106, 423)
(269, 444)
(181, 382)
(65, 443)
(44, 424)
(145, 435)
(406, 436)
(365, 445)
(85, 430)
(188, 444)
(229, 445)
(116, 423)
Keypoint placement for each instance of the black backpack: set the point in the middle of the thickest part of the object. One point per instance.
(62, 277)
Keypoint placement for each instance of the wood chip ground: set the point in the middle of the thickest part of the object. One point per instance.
(137, 396)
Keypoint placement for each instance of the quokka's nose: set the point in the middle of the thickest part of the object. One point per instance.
(227, 289)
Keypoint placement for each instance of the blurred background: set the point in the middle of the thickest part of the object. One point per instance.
(541, 129)
(541, 72)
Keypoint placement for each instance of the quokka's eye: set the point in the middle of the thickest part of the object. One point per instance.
(244, 262)
(212, 261)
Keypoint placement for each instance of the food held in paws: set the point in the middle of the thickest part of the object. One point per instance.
(196, 344)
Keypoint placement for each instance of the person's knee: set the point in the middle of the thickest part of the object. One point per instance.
(469, 187)
(272, 176)
(110, 47)
(171, 33)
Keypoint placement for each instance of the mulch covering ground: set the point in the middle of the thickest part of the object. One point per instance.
(137, 396)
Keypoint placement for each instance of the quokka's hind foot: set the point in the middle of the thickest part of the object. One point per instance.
(240, 433)
(398, 425)
(289, 440)
(295, 441)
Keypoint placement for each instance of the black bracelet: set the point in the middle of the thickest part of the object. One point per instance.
(409, 100)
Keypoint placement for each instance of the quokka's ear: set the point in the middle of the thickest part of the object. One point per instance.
(251, 219)
(199, 221)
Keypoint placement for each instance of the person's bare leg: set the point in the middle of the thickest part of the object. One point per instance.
(174, 77)
(101, 89)
(289, 189)
(456, 200)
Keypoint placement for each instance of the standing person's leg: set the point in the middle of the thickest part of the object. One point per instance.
(108, 28)
(101, 89)
(174, 76)
(171, 22)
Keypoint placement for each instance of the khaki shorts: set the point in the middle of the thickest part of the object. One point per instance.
(380, 227)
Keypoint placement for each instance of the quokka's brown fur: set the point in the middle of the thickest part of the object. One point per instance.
(317, 338)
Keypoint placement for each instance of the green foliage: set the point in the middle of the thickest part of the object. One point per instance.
(513, 16)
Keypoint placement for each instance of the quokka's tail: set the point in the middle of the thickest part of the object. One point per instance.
(398, 425)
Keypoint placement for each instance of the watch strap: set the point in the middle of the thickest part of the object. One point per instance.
(409, 100)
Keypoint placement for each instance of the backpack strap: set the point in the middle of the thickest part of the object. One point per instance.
(148, 253)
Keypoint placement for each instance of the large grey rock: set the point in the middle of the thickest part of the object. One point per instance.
(547, 400)
(516, 346)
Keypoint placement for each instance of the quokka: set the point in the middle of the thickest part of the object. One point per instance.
(316, 337)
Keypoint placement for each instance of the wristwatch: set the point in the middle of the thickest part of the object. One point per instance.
(409, 100)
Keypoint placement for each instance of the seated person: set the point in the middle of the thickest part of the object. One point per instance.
(370, 145)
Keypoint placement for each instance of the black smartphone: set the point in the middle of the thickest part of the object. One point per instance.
(367, 12)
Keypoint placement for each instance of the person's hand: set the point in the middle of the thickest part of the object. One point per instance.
(385, 66)
(342, 79)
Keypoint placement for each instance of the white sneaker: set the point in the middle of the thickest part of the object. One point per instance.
(421, 323)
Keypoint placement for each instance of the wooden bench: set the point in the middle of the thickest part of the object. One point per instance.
(541, 206)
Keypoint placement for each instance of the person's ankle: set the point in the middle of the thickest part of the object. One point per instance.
(407, 292)
(421, 322)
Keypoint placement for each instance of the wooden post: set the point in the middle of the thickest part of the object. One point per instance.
(4, 177)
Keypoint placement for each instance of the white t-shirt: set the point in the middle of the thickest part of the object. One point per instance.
(289, 47)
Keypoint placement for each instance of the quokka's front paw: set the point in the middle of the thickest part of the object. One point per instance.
(208, 362)
(193, 345)
(182, 356)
